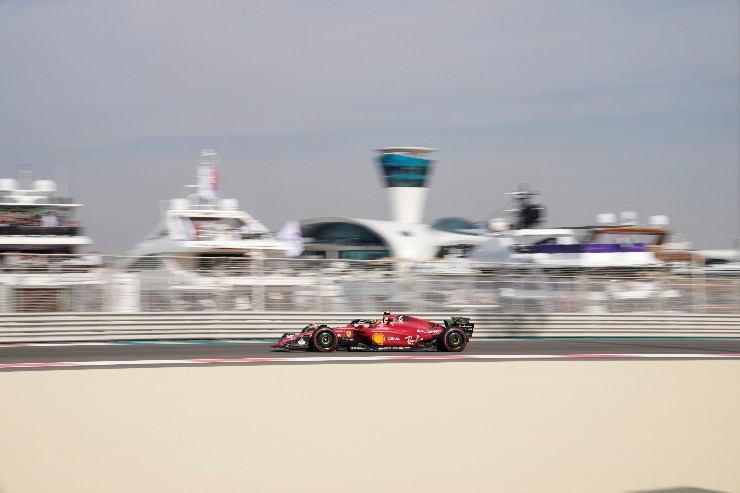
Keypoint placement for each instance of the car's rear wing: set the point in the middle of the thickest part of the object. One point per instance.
(462, 323)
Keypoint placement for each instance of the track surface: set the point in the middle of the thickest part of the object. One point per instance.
(253, 352)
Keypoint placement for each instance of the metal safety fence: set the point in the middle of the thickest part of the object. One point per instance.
(94, 283)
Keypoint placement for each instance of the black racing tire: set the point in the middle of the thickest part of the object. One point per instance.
(324, 340)
(454, 340)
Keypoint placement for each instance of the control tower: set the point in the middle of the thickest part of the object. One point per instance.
(405, 171)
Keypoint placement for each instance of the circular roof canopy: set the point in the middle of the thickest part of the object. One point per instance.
(409, 150)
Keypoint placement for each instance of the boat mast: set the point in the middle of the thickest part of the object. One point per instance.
(207, 168)
(526, 214)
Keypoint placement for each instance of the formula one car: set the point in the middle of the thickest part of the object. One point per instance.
(392, 332)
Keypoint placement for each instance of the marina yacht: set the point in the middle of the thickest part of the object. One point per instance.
(204, 244)
(620, 258)
(41, 248)
(611, 242)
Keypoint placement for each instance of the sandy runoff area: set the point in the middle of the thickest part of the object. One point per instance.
(545, 426)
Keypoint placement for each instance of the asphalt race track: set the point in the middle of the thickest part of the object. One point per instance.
(14, 357)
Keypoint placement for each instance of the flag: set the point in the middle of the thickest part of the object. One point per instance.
(291, 234)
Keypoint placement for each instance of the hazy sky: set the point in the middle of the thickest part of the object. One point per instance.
(599, 104)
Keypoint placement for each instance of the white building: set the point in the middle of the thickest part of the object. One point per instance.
(405, 172)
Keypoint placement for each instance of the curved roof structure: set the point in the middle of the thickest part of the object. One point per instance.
(401, 240)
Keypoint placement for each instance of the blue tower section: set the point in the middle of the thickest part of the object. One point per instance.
(403, 170)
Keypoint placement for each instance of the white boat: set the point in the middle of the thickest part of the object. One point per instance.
(203, 244)
(611, 243)
(41, 248)
(200, 228)
(618, 248)
(574, 248)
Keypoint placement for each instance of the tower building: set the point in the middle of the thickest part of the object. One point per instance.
(405, 171)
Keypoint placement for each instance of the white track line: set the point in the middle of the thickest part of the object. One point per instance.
(342, 359)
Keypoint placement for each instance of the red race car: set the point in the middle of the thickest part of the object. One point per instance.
(392, 332)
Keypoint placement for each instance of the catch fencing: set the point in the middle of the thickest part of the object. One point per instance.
(124, 285)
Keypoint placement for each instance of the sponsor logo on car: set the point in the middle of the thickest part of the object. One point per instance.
(378, 338)
(348, 333)
(411, 341)
(301, 342)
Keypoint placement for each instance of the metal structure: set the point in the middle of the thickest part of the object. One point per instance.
(94, 284)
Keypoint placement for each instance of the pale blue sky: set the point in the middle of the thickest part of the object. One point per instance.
(599, 104)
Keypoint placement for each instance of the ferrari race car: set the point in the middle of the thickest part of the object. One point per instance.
(392, 332)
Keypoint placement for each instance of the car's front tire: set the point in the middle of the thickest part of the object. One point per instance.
(454, 340)
(324, 340)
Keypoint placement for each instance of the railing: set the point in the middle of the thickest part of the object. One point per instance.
(95, 284)
(15, 230)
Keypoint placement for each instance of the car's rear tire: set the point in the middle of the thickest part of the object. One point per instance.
(324, 340)
(454, 340)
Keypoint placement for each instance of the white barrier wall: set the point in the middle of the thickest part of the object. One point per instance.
(24, 328)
